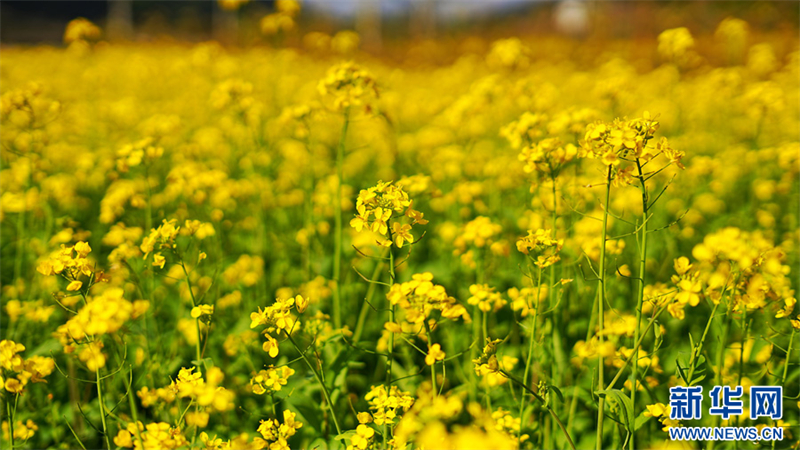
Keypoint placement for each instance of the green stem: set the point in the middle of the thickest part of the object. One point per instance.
(197, 320)
(720, 357)
(319, 380)
(362, 315)
(102, 407)
(741, 349)
(337, 216)
(529, 358)
(786, 366)
(558, 368)
(21, 226)
(638, 344)
(390, 358)
(198, 351)
(697, 351)
(574, 404)
(11, 413)
(544, 404)
(132, 404)
(433, 366)
(600, 309)
(640, 299)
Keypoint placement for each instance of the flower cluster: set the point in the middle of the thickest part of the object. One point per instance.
(675, 45)
(233, 94)
(524, 131)
(69, 262)
(150, 397)
(688, 285)
(159, 238)
(525, 299)
(508, 424)
(271, 380)
(276, 434)
(486, 298)
(476, 235)
(206, 392)
(81, 30)
(487, 363)
(620, 140)
(661, 412)
(385, 202)
(547, 156)
(277, 317)
(419, 297)
(386, 405)
(282, 20)
(16, 372)
(22, 430)
(153, 435)
(103, 314)
(142, 151)
(439, 421)
(348, 85)
(247, 270)
(544, 247)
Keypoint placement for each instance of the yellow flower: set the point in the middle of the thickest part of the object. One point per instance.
(123, 439)
(682, 265)
(202, 310)
(270, 380)
(270, 346)
(348, 85)
(159, 260)
(301, 303)
(74, 285)
(361, 439)
(82, 249)
(657, 410)
(401, 233)
(81, 29)
(435, 353)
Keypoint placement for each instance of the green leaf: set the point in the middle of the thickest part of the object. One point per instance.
(345, 435)
(206, 362)
(319, 444)
(641, 420)
(557, 391)
(623, 402)
(680, 371)
(340, 377)
(48, 346)
(308, 410)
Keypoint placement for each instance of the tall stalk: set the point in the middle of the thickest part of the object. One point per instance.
(132, 405)
(529, 358)
(102, 407)
(786, 366)
(601, 300)
(640, 299)
(723, 339)
(557, 369)
(319, 380)
(390, 358)
(337, 216)
(433, 366)
(11, 413)
(362, 315)
(198, 352)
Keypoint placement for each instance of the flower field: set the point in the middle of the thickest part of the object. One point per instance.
(274, 247)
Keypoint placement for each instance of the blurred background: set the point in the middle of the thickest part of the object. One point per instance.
(379, 24)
